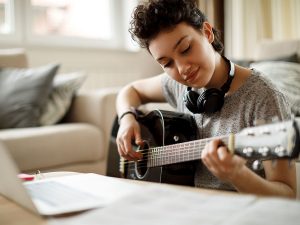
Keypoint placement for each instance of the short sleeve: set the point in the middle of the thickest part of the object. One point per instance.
(170, 90)
(272, 103)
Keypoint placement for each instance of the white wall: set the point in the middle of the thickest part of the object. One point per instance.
(105, 68)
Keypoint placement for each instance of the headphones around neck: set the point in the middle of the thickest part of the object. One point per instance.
(212, 99)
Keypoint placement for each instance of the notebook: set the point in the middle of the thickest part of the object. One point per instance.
(60, 195)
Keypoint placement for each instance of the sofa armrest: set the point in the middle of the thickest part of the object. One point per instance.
(96, 107)
(13, 58)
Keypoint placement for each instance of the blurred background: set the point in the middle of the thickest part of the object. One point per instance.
(92, 35)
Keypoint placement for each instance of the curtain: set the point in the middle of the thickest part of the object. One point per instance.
(214, 10)
(247, 22)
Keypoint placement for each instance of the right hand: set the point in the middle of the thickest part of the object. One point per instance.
(129, 130)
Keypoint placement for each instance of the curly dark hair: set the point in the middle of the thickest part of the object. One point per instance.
(151, 17)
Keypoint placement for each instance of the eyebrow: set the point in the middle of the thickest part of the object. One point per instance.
(175, 46)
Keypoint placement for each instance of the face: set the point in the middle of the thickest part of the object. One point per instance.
(186, 54)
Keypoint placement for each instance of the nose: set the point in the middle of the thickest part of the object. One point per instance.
(184, 69)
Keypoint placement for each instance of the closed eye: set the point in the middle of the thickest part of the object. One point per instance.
(167, 64)
(186, 50)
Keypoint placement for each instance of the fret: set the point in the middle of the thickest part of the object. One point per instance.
(177, 153)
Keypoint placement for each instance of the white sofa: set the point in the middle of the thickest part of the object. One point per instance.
(80, 144)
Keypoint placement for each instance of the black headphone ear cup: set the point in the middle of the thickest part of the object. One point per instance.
(191, 98)
(210, 101)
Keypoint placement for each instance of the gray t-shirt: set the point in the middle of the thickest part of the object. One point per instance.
(257, 99)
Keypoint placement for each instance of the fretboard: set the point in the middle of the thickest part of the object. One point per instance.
(176, 153)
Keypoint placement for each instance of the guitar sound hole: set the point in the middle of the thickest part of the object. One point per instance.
(141, 168)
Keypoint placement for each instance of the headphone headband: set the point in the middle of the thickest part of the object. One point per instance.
(226, 86)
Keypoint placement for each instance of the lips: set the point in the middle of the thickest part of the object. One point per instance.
(191, 76)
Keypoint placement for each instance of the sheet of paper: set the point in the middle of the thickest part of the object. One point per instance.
(157, 204)
(96, 184)
(273, 211)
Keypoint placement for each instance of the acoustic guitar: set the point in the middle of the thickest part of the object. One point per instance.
(172, 146)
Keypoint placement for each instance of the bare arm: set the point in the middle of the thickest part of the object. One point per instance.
(280, 180)
(140, 92)
(133, 95)
(280, 176)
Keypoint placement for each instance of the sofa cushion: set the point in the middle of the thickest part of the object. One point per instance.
(247, 63)
(286, 76)
(277, 48)
(42, 148)
(60, 98)
(23, 93)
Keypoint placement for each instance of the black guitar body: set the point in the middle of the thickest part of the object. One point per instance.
(172, 147)
(161, 128)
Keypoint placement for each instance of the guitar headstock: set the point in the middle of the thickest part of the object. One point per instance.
(271, 141)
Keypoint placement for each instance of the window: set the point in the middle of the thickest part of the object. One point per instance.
(77, 18)
(5, 25)
(82, 23)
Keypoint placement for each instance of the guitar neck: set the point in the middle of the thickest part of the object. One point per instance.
(176, 153)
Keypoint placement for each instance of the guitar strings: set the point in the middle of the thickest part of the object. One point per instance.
(144, 162)
(163, 154)
(156, 160)
(191, 143)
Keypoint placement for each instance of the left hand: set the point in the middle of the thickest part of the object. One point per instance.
(221, 162)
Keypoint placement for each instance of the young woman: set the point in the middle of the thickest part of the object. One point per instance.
(188, 48)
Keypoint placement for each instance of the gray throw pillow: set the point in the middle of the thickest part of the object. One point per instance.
(286, 76)
(23, 93)
(60, 98)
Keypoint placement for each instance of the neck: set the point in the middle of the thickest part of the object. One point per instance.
(240, 77)
(221, 72)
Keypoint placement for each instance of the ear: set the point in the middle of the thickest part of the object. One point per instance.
(208, 32)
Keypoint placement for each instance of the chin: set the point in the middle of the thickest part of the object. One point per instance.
(197, 84)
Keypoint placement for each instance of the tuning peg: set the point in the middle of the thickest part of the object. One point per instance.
(257, 165)
(280, 151)
(264, 151)
(250, 132)
(248, 151)
(266, 131)
(282, 128)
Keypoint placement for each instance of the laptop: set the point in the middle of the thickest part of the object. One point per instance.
(60, 195)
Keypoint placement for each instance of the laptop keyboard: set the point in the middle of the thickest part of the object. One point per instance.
(57, 194)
